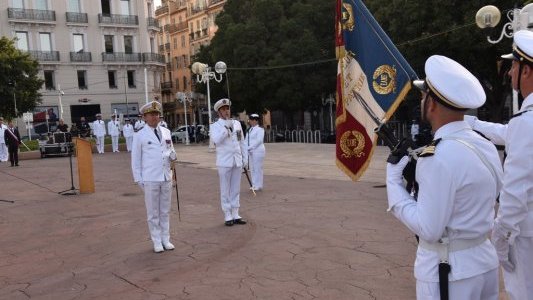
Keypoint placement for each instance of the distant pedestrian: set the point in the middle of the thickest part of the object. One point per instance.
(113, 128)
(414, 130)
(162, 122)
(12, 140)
(127, 131)
(151, 158)
(99, 132)
(62, 127)
(84, 129)
(139, 124)
(228, 137)
(3, 147)
(256, 151)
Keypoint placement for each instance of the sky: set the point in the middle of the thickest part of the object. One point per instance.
(157, 3)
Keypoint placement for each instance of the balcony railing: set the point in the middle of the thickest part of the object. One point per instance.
(80, 56)
(167, 46)
(31, 14)
(178, 27)
(166, 27)
(118, 19)
(161, 48)
(153, 57)
(44, 55)
(161, 10)
(152, 22)
(121, 57)
(195, 10)
(213, 2)
(169, 66)
(166, 86)
(73, 17)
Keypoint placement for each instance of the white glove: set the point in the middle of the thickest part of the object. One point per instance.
(501, 243)
(229, 123)
(173, 156)
(395, 186)
(471, 120)
(141, 185)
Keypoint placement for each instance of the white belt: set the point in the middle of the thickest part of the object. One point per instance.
(453, 245)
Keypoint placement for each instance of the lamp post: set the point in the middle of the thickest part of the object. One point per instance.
(204, 74)
(518, 19)
(184, 98)
(330, 100)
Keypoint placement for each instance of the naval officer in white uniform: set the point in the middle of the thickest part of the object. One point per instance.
(113, 127)
(459, 177)
(127, 131)
(3, 147)
(99, 132)
(256, 151)
(513, 229)
(228, 137)
(151, 158)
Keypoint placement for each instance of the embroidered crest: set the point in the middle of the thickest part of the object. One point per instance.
(384, 80)
(352, 143)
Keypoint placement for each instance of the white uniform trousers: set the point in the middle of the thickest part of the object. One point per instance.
(100, 144)
(3, 152)
(230, 188)
(157, 196)
(129, 141)
(481, 287)
(114, 142)
(256, 160)
(519, 283)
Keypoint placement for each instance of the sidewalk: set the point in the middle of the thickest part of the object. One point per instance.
(311, 234)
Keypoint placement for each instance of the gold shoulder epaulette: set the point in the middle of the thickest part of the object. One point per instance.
(429, 150)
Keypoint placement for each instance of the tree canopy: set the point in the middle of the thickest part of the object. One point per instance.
(257, 38)
(18, 80)
(273, 33)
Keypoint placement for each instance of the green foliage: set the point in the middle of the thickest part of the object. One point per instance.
(269, 33)
(33, 145)
(19, 76)
(428, 25)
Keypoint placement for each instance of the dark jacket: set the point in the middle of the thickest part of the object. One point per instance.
(9, 139)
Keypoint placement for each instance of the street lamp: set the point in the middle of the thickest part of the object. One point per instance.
(330, 100)
(518, 19)
(204, 74)
(184, 98)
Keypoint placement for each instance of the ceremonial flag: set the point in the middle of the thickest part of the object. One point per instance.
(372, 80)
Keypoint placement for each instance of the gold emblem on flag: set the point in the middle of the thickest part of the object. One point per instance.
(348, 20)
(352, 143)
(384, 80)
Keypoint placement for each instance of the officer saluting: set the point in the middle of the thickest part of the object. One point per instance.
(513, 230)
(151, 158)
(231, 157)
(459, 177)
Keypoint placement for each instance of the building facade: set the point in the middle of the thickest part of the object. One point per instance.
(95, 56)
(186, 25)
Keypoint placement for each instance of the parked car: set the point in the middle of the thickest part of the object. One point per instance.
(178, 134)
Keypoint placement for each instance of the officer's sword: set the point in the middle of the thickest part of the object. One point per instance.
(177, 192)
(245, 171)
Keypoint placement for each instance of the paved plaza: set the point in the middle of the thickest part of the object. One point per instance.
(311, 234)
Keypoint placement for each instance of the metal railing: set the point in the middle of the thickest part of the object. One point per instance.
(80, 56)
(153, 57)
(167, 85)
(167, 46)
(293, 136)
(44, 55)
(31, 14)
(178, 27)
(213, 2)
(118, 19)
(161, 10)
(73, 17)
(121, 57)
(152, 22)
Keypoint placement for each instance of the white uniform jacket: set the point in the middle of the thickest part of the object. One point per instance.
(113, 127)
(127, 130)
(517, 193)
(231, 147)
(457, 194)
(2, 132)
(138, 125)
(255, 138)
(99, 128)
(151, 158)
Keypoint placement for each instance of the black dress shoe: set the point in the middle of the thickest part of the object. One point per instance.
(229, 223)
(239, 221)
(16, 165)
